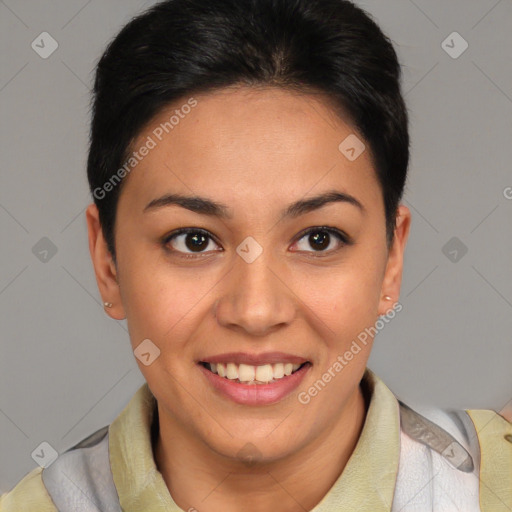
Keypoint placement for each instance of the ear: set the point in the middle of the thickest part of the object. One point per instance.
(393, 273)
(104, 267)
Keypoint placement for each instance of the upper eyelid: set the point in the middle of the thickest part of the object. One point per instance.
(186, 231)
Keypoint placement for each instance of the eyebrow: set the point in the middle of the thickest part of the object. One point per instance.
(205, 206)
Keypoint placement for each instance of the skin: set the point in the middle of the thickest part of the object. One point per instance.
(506, 412)
(257, 151)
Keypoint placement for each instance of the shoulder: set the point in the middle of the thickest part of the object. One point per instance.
(483, 433)
(83, 471)
(68, 483)
(454, 456)
(494, 434)
(28, 495)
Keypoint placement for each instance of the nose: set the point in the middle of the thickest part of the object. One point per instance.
(256, 298)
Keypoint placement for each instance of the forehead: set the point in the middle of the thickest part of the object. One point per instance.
(248, 143)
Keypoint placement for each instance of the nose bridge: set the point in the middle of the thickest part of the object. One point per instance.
(255, 298)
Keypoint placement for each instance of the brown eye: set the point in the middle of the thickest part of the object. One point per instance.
(189, 241)
(319, 240)
(322, 240)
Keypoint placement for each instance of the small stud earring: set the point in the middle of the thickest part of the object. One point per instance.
(107, 304)
(387, 297)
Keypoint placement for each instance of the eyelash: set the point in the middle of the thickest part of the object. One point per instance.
(343, 239)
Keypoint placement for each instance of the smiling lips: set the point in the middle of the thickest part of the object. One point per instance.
(254, 369)
(254, 380)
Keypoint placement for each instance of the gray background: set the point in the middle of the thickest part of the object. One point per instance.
(66, 368)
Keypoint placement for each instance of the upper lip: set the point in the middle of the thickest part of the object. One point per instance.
(254, 359)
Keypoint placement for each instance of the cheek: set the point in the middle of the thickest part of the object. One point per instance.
(164, 305)
(345, 297)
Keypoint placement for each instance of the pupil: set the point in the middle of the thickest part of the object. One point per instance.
(320, 238)
(198, 241)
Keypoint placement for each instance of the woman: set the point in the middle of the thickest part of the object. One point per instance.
(247, 163)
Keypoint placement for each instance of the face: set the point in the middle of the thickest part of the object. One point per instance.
(255, 287)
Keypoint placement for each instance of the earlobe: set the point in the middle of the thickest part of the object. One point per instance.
(393, 274)
(104, 266)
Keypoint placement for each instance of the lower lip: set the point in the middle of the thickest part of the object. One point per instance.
(256, 394)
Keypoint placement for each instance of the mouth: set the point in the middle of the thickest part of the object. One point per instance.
(254, 379)
(250, 374)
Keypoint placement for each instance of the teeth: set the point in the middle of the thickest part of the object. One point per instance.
(254, 374)
(246, 373)
(232, 371)
(264, 373)
(278, 371)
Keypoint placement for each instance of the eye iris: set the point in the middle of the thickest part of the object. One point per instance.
(320, 238)
(198, 241)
